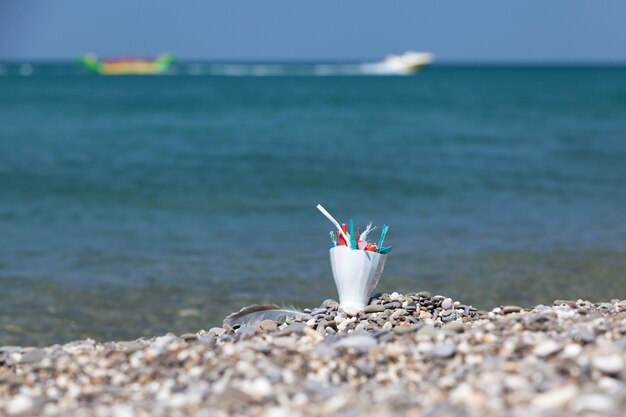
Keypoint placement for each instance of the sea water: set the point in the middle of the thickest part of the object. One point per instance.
(135, 206)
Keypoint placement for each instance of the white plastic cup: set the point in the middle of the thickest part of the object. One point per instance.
(356, 274)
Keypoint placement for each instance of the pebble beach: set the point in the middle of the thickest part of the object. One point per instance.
(406, 355)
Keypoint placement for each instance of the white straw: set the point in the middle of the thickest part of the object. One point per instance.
(335, 222)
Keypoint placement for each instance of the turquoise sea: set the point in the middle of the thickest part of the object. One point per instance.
(135, 206)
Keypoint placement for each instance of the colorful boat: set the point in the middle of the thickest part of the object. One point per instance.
(126, 66)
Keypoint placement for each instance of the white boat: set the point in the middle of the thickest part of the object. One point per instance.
(405, 63)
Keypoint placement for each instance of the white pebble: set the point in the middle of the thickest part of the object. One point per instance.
(571, 350)
(547, 348)
(257, 388)
(595, 403)
(20, 404)
(609, 364)
(555, 398)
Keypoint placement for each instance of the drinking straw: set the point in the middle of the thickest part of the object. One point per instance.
(367, 231)
(335, 222)
(352, 238)
(382, 237)
(333, 239)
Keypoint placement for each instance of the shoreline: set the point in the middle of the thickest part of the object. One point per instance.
(413, 354)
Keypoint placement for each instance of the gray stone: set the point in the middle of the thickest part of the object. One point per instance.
(247, 331)
(325, 350)
(393, 305)
(32, 356)
(453, 327)
(407, 329)
(209, 340)
(365, 367)
(398, 313)
(317, 311)
(427, 330)
(581, 333)
(362, 343)
(374, 308)
(291, 328)
(444, 350)
(447, 304)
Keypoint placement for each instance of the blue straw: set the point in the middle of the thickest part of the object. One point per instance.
(382, 238)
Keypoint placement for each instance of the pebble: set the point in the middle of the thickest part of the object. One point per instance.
(568, 303)
(217, 331)
(609, 364)
(317, 311)
(511, 309)
(361, 343)
(407, 329)
(20, 405)
(351, 311)
(555, 398)
(291, 328)
(449, 317)
(32, 356)
(392, 305)
(582, 334)
(453, 326)
(547, 348)
(189, 337)
(594, 403)
(444, 350)
(268, 325)
(447, 304)
(374, 308)
(427, 331)
(247, 331)
(257, 388)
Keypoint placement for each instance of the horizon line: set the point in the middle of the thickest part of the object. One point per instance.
(440, 62)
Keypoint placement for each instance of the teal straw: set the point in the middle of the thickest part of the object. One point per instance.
(352, 238)
(382, 238)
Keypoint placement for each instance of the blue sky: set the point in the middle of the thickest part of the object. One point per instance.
(455, 30)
